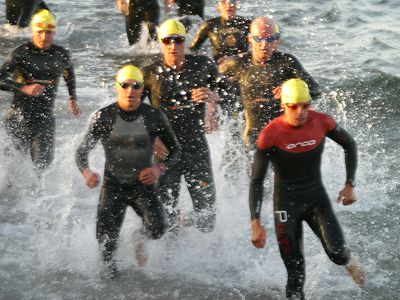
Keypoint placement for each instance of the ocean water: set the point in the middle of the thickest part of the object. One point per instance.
(47, 232)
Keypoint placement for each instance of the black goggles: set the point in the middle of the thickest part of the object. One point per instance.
(135, 85)
(269, 39)
(173, 39)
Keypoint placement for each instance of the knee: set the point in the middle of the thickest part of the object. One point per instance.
(339, 256)
(156, 232)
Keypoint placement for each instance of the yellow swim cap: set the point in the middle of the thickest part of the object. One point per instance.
(129, 72)
(43, 20)
(295, 90)
(171, 27)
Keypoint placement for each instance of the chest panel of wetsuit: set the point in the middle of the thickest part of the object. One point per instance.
(171, 92)
(228, 38)
(36, 65)
(296, 151)
(129, 149)
(43, 67)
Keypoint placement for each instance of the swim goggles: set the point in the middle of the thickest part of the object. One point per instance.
(269, 39)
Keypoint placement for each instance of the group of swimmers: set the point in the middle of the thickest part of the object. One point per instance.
(149, 147)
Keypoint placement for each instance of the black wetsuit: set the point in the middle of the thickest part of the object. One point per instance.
(142, 11)
(191, 7)
(20, 12)
(227, 38)
(299, 194)
(257, 82)
(127, 139)
(171, 92)
(30, 120)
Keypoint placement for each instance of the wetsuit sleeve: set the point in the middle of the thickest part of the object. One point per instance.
(343, 138)
(298, 71)
(200, 37)
(69, 75)
(230, 67)
(259, 170)
(170, 140)
(7, 82)
(90, 140)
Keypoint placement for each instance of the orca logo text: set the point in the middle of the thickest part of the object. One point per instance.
(301, 144)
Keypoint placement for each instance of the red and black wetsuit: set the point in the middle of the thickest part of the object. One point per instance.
(140, 11)
(227, 38)
(299, 195)
(19, 12)
(30, 120)
(127, 139)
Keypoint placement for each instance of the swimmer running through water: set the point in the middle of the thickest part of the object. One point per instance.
(294, 143)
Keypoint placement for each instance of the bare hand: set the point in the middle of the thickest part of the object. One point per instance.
(168, 5)
(73, 107)
(150, 175)
(277, 92)
(92, 179)
(160, 151)
(259, 235)
(122, 7)
(202, 95)
(346, 195)
(34, 90)
(211, 118)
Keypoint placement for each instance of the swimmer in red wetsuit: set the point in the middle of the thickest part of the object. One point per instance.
(294, 144)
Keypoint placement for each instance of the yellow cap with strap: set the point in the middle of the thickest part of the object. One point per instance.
(129, 72)
(295, 90)
(43, 20)
(171, 27)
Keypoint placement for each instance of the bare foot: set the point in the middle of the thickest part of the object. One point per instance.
(356, 272)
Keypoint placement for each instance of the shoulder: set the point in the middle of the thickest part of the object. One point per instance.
(324, 120)
(21, 49)
(146, 70)
(105, 112)
(209, 24)
(242, 20)
(266, 139)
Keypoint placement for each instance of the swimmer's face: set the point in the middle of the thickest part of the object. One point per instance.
(43, 39)
(173, 48)
(261, 48)
(129, 93)
(227, 9)
(296, 114)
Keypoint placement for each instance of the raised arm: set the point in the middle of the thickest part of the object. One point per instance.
(199, 38)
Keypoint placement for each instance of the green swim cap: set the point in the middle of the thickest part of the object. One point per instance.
(43, 20)
(171, 27)
(129, 72)
(295, 90)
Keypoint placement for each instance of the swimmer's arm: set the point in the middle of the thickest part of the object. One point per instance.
(259, 171)
(90, 140)
(260, 166)
(168, 137)
(199, 38)
(343, 138)
(7, 82)
(69, 76)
